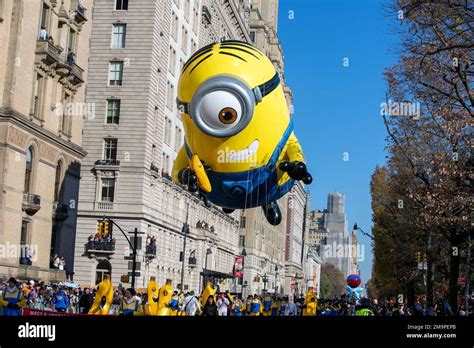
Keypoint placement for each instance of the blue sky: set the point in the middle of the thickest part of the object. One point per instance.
(337, 108)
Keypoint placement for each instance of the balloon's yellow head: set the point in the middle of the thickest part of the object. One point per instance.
(233, 106)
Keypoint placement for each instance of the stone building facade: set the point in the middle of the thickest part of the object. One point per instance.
(42, 95)
(133, 143)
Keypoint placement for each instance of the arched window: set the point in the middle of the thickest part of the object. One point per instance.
(103, 268)
(57, 181)
(28, 169)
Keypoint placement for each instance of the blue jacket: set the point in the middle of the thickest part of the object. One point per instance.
(60, 300)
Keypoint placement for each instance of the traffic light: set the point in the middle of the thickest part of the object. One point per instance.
(105, 231)
(100, 228)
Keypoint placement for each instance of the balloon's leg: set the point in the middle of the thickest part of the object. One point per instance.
(272, 213)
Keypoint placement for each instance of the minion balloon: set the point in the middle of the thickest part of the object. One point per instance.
(240, 150)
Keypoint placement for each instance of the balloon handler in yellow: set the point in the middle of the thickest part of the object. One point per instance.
(240, 150)
(103, 297)
(310, 303)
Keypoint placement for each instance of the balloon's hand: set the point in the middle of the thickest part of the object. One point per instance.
(297, 171)
(188, 177)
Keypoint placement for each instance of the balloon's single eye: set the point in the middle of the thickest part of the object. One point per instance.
(228, 115)
(220, 110)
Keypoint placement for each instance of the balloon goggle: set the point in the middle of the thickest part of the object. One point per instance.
(223, 105)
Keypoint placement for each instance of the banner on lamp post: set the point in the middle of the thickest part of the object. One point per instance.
(238, 267)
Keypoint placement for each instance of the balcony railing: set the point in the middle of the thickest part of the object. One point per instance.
(48, 53)
(155, 171)
(79, 11)
(150, 250)
(31, 203)
(107, 162)
(75, 71)
(60, 211)
(104, 206)
(106, 247)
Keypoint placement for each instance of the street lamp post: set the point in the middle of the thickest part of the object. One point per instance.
(265, 281)
(244, 254)
(204, 276)
(276, 276)
(185, 231)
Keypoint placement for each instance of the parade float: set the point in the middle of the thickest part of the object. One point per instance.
(240, 150)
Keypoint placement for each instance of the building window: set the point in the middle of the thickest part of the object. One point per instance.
(184, 42)
(110, 148)
(177, 138)
(169, 102)
(172, 65)
(28, 170)
(115, 73)
(103, 268)
(243, 221)
(121, 5)
(66, 121)
(252, 36)
(57, 181)
(71, 40)
(44, 26)
(187, 4)
(175, 27)
(195, 20)
(113, 111)
(241, 241)
(165, 163)
(24, 238)
(37, 102)
(167, 131)
(108, 190)
(118, 35)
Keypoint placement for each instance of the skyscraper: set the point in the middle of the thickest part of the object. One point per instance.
(336, 248)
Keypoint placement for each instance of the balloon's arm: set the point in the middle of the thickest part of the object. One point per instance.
(198, 168)
(180, 163)
(293, 149)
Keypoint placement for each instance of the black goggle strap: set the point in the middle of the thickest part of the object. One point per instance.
(260, 92)
(266, 88)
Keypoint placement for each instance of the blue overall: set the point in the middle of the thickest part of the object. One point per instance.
(174, 304)
(255, 307)
(252, 188)
(130, 308)
(13, 298)
(237, 311)
(267, 304)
